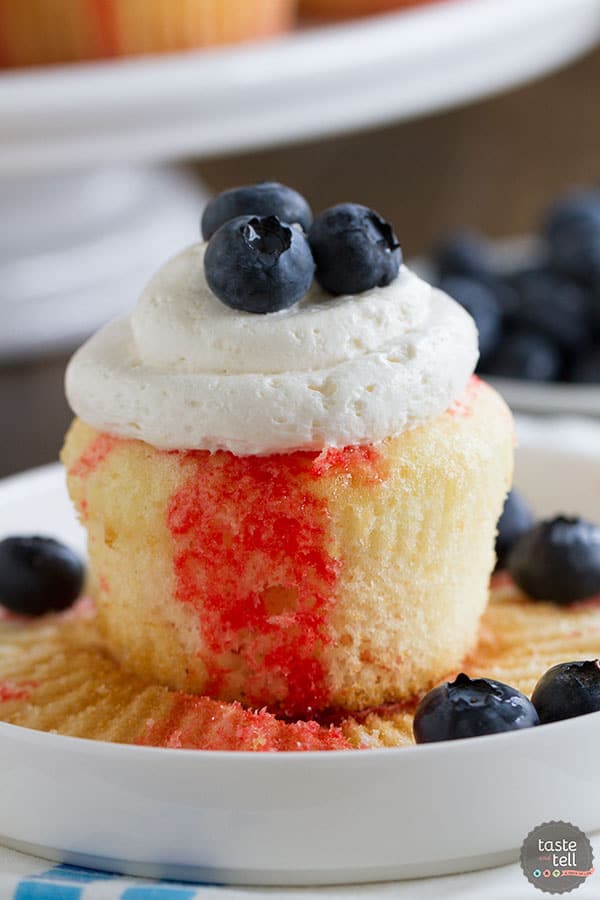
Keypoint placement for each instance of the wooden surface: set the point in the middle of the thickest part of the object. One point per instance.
(494, 165)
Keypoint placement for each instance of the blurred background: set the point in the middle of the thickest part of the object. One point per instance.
(445, 116)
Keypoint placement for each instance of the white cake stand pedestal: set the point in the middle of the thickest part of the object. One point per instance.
(79, 239)
(78, 248)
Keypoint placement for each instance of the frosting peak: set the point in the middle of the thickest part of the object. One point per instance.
(185, 371)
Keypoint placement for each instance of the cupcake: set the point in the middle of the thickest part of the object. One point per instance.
(343, 9)
(55, 31)
(290, 483)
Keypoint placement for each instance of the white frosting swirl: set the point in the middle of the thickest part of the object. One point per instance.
(185, 371)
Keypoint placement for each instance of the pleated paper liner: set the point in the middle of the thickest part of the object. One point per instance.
(55, 676)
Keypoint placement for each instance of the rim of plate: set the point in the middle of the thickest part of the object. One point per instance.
(98, 747)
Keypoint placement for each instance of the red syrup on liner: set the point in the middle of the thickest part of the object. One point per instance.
(16, 690)
(198, 723)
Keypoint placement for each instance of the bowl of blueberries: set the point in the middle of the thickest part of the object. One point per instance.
(536, 303)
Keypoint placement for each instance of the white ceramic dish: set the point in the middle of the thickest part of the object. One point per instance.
(312, 83)
(299, 818)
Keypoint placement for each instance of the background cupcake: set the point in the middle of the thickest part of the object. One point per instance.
(55, 31)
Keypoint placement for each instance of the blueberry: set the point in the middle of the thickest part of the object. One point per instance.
(553, 306)
(258, 265)
(577, 207)
(572, 229)
(467, 253)
(516, 519)
(567, 690)
(354, 249)
(586, 368)
(266, 199)
(464, 253)
(525, 355)
(469, 708)
(481, 304)
(558, 560)
(506, 295)
(38, 575)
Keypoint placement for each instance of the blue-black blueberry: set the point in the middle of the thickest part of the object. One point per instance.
(469, 708)
(567, 690)
(258, 265)
(554, 306)
(464, 253)
(354, 249)
(516, 519)
(572, 230)
(526, 355)
(482, 304)
(38, 575)
(268, 198)
(558, 560)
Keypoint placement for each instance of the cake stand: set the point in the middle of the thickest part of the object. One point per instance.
(84, 237)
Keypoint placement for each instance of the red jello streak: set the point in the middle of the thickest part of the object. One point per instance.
(198, 723)
(361, 461)
(242, 526)
(95, 453)
(10, 690)
(253, 555)
(463, 405)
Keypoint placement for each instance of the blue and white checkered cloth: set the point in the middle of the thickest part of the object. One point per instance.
(29, 878)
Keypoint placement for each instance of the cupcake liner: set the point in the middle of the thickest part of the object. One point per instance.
(56, 676)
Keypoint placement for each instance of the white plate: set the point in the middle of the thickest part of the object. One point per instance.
(297, 818)
(312, 83)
